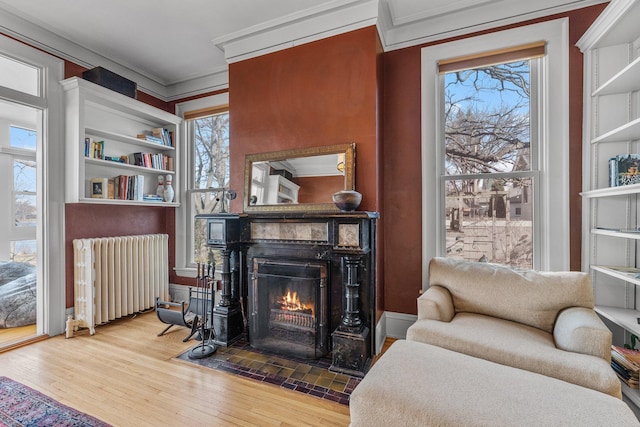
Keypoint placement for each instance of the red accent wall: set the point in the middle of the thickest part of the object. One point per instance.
(402, 168)
(315, 94)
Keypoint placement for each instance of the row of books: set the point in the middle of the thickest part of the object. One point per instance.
(93, 149)
(151, 160)
(624, 169)
(121, 187)
(159, 136)
(626, 363)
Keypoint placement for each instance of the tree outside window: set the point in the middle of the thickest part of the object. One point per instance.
(489, 172)
(210, 177)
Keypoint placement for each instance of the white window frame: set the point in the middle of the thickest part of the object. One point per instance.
(183, 266)
(50, 230)
(551, 242)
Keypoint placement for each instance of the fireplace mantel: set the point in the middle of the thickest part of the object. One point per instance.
(344, 242)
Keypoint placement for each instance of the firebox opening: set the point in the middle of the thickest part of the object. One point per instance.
(288, 305)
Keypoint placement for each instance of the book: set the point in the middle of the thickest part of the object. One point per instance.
(138, 191)
(88, 144)
(152, 198)
(111, 188)
(629, 354)
(151, 138)
(624, 364)
(164, 136)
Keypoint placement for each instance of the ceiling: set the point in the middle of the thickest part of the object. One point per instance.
(176, 48)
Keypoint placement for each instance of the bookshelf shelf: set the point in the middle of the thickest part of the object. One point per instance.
(129, 202)
(630, 278)
(615, 233)
(625, 81)
(114, 121)
(623, 190)
(626, 132)
(127, 139)
(612, 128)
(624, 317)
(127, 167)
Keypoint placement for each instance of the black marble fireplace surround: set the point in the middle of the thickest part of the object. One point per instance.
(326, 259)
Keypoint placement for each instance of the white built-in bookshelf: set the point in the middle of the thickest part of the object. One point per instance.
(611, 214)
(105, 133)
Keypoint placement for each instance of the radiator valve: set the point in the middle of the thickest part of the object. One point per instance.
(71, 326)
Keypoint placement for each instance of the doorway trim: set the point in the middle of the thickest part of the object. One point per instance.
(50, 231)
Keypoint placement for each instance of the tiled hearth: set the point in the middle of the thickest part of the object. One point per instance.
(302, 375)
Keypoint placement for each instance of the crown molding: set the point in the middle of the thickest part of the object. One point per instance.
(198, 86)
(606, 28)
(452, 22)
(293, 30)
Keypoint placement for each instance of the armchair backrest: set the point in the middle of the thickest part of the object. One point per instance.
(530, 297)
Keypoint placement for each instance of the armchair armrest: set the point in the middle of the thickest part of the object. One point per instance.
(436, 304)
(580, 330)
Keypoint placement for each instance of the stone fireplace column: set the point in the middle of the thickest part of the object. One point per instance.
(351, 341)
(223, 233)
(351, 318)
(228, 322)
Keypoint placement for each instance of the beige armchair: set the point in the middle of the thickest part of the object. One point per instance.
(542, 322)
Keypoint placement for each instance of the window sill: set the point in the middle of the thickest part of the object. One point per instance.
(186, 272)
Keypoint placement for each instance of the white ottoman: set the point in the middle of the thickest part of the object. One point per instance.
(417, 384)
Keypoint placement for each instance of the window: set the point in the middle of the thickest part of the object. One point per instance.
(490, 160)
(20, 76)
(24, 176)
(206, 148)
(208, 138)
(483, 195)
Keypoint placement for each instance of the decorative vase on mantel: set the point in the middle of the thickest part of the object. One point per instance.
(168, 190)
(347, 200)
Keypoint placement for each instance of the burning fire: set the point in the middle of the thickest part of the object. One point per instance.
(291, 302)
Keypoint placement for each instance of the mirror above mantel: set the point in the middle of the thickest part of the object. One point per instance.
(301, 179)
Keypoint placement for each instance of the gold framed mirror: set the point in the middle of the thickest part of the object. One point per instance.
(301, 179)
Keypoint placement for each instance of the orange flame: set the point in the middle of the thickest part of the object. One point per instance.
(291, 302)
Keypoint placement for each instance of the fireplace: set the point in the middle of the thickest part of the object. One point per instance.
(288, 307)
(302, 283)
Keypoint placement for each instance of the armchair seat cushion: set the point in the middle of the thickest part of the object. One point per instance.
(517, 345)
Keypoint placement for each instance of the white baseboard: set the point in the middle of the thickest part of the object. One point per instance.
(398, 323)
(392, 325)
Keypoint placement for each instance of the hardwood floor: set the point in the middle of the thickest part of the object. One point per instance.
(125, 375)
(13, 335)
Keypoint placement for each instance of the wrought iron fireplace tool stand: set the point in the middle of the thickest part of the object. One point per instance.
(206, 348)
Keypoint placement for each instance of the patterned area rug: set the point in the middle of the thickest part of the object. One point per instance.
(311, 377)
(23, 406)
